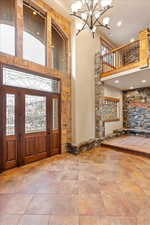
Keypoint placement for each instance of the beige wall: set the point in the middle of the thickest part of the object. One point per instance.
(115, 93)
(83, 86)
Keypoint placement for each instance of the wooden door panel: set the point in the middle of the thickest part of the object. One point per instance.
(40, 144)
(10, 152)
(29, 146)
(35, 147)
(55, 139)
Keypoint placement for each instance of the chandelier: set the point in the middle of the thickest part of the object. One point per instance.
(90, 13)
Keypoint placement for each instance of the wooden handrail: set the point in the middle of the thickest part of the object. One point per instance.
(119, 48)
(108, 64)
(126, 60)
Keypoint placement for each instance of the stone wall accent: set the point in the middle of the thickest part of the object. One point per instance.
(110, 109)
(84, 146)
(136, 109)
(99, 99)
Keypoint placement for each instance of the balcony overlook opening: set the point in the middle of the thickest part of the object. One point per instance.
(134, 55)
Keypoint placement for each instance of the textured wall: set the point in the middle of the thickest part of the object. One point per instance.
(83, 87)
(137, 109)
(99, 99)
(111, 126)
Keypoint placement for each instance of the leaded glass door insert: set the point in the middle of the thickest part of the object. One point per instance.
(10, 114)
(35, 114)
(10, 137)
(55, 132)
(55, 107)
(15, 78)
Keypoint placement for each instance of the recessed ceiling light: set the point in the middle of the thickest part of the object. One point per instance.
(116, 81)
(143, 81)
(34, 13)
(131, 87)
(132, 40)
(119, 23)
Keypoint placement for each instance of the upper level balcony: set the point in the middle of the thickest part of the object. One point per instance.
(129, 57)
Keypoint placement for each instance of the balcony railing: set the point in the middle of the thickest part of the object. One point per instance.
(132, 55)
(120, 57)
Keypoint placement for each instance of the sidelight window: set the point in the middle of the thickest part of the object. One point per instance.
(55, 114)
(10, 114)
(59, 61)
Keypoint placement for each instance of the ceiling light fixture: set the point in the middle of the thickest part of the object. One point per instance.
(116, 81)
(90, 13)
(34, 13)
(143, 81)
(119, 23)
(131, 87)
(132, 40)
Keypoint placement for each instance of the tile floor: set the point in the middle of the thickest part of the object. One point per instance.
(101, 187)
(133, 143)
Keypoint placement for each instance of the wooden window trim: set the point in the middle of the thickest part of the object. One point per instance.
(116, 100)
(111, 99)
(106, 43)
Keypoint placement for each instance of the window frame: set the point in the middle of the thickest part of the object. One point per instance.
(64, 37)
(49, 76)
(111, 61)
(15, 33)
(44, 14)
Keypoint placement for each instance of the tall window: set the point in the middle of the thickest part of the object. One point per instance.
(59, 61)
(7, 26)
(34, 36)
(106, 48)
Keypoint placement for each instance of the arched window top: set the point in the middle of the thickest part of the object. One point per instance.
(34, 35)
(7, 26)
(59, 30)
(7, 9)
(34, 23)
(59, 49)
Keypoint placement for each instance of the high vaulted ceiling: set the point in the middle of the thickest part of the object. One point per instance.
(134, 14)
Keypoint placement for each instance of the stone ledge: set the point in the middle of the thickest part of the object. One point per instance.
(83, 146)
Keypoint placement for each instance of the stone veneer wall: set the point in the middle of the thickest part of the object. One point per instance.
(99, 100)
(136, 109)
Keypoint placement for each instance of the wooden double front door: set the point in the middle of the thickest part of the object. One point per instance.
(30, 124)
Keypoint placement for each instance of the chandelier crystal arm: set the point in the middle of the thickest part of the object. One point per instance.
(83, 28)
(94, 8)
(103, 11)
(87, 5)
(101, 15)
(101, 25)
(79, 17)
